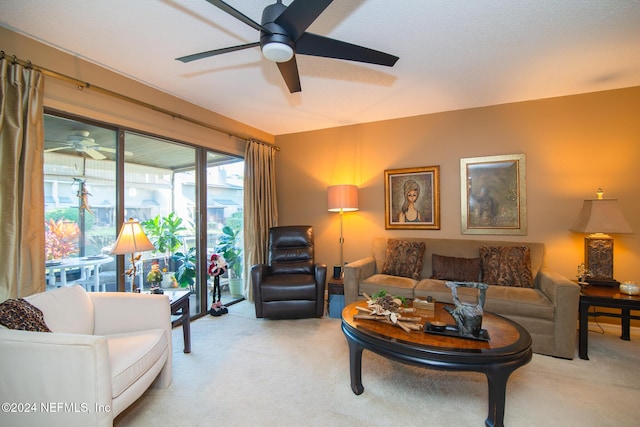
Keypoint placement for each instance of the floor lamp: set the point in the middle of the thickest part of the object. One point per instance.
(342, 198)
(599, 217)
(132, 239)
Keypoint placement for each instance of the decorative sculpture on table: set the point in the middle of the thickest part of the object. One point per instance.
(468, 317)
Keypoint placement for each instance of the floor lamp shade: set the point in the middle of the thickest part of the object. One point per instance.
(342, 198)
(598, 218)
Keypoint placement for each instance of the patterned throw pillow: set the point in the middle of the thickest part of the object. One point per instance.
(506, 266)
(404, 258)
(20, 314)
(456, 269)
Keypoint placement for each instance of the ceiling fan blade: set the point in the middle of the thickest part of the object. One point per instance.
(95, 154)
(238, 15)
(299, 15)
(289, 71)
(113, 150)
(214, 52)
(315, 45)
(49, 150)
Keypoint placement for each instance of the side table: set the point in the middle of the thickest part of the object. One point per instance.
(335, 295)
(610, 297)
(180, 307)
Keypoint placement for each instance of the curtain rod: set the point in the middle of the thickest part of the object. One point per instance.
(86, 85)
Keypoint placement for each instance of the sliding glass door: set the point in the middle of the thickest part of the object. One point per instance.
(80, 203)
(225, 176)
(188, 200)
(158, 178)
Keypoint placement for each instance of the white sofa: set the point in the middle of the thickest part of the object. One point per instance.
(104, 351)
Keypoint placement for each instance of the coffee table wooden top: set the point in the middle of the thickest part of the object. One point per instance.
(503, 333)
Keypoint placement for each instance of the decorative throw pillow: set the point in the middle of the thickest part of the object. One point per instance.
(20, 314)
(456, 269)
(404, 258)
(506, 266)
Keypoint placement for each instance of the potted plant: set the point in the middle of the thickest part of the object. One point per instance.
(186, 272)
(229, 246)
(164, 233)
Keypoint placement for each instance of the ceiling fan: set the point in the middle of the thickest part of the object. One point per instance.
(79, 141)
(282, 35)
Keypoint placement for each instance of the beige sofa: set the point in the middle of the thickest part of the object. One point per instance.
(548, 311)
(103, 352)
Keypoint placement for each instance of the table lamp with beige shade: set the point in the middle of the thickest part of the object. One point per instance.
(132, 239)
(599, 218)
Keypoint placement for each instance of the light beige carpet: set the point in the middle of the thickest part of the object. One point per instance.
(245, 371)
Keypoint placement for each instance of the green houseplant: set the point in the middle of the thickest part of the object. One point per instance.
(230, 247)
(164, 232)
(186, 272)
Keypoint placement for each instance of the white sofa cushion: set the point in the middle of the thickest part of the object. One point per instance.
(66, 310)
(133, 354)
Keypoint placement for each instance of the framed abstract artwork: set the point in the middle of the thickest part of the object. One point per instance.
(493, 195)
(412, 198)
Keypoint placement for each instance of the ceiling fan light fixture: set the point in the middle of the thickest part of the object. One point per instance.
(283, 34)
(277, 52)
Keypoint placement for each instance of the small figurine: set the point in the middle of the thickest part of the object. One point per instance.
(83, 195)
(155, 276)
(217, 268)
(583, 273)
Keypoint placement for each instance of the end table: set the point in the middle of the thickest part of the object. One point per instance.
(179, 301)
(601, 296)
(335, 293)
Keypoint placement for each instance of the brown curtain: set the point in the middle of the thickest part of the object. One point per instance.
(260, 208)
(21, 186)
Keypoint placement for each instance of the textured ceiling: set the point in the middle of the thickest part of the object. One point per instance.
(454, 54)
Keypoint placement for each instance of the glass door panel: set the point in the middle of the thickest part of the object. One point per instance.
(225, 199)
(80, 203)
(160, 192)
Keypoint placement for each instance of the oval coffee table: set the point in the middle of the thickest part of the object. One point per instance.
(508, 348)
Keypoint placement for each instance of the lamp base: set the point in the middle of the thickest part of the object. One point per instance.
(595, 281)
(598, 256)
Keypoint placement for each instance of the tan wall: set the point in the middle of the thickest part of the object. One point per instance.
(573, 145)
(64, 96)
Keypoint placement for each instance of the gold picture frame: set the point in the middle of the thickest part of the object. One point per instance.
(419, 210)
(493, 195)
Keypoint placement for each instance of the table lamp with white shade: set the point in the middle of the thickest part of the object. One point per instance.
(132, 239)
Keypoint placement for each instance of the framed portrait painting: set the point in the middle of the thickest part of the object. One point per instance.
(493, 195)
(412, 198)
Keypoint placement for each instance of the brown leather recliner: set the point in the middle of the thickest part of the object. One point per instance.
(292, 285)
